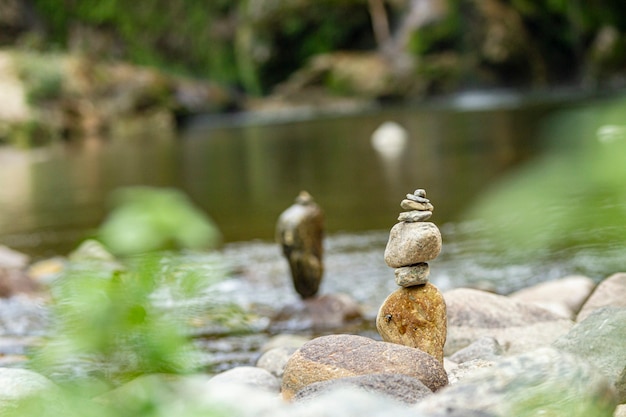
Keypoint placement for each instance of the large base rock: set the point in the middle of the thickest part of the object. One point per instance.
(340, 356)
(415, 317)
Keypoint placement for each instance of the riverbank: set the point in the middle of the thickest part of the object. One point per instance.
(493, 343)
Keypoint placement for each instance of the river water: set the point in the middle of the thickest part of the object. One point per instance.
(244, 171)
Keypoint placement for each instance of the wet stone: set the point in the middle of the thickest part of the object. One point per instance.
(408, 276)
(300, 232)
(415, 317)
(414, 216)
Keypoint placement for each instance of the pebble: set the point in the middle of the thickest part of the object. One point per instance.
(467, 369)
(415, 317)
(414, 205)
(409, 276)
(342, 355)
(485, 348)
(417, 198)
(414, 216)
(274, 360)
(412, 243)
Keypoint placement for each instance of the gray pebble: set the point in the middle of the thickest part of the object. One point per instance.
(417, 198)
(409, 276)
(414, 216)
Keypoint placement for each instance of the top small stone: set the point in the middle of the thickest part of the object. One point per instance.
(417, 201)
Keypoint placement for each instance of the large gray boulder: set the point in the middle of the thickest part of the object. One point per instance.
(517, 326)
(541, 382)
(600, 339)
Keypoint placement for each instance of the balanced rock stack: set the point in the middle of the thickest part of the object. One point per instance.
(415, 314)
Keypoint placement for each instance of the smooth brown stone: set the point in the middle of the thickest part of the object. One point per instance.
(341, 355)
(415, 317)
(412, 243)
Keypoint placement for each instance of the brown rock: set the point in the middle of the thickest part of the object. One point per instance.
(412, 243)
(610, 292)
(415, 317)
(339, 356)
(300, 232)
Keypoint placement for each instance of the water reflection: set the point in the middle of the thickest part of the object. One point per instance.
(245, 175)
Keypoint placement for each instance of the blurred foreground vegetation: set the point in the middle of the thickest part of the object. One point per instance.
(120, 338)
(573, 196)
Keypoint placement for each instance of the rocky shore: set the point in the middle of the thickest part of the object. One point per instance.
(552, 349)
(556, 349)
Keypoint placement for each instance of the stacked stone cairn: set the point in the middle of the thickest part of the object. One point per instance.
(415, 314)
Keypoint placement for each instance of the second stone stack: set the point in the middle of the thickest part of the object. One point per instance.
(415, 314)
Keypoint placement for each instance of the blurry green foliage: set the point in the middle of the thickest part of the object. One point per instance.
(574, 195)
(176, 35)
(125, 325)
(146, 219)
(256, 44)
(105, 316)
